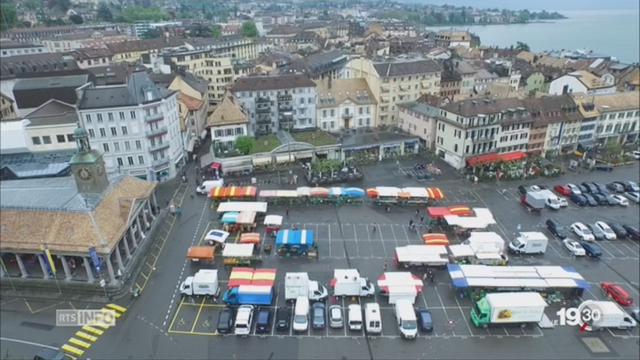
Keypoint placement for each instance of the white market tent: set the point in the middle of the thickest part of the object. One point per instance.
(416, 192)
(239, 206)
(238, 250)
(483, 218)
(273, 220)
(461, 251)
(430, 254)
(387, 191)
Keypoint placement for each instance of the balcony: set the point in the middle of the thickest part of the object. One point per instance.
(263, 119)
(285, 97)
(285, 108)
(347, 116)
(160, 163)
(153, 117)
(158, 147)
(156, 132)
(483, 139)
(261, 109)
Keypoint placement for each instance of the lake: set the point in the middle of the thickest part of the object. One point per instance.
(611, 32)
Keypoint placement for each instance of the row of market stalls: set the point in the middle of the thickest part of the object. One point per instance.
(380, 194)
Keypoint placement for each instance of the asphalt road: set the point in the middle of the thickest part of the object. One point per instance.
(160, 324)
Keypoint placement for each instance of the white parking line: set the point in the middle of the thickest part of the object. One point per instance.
(330, 241)
(395, 238)
(384, 248)
(441, 303)
(463, 317)
(355, 236)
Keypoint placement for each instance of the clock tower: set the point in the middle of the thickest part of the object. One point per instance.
(87, 166)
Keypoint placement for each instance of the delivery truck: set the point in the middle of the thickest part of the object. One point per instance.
(204, 282)
(508, 308)
(529, 242)
(207, 185)
(534, 200)
(249, 294)
(605, 314)
(406, 319)
(348, 282)
(297, 284)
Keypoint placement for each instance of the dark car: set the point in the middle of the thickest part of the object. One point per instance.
(425, 322)
(602, 189)
(225, 321)
(601, 199)
(593, 187)
(318, 316)
(49, 354)
(263, 322)
(556, 229)
(632, 232)
(591, 249)
(522, 190)
(591, 201)
(621, 233)
(597, 233)
(615, 187)
(611, 201)
(585, 188)
(578, 199)
(283, 319)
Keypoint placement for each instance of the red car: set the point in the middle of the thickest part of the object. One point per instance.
(617, 293)
(563, 190)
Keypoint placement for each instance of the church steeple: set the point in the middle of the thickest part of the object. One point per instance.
(87, 165)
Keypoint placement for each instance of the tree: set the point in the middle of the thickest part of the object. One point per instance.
(9, 16)
(245, 144)
(520, 46)
(249, 29)
(76, 19)
(104, 13)
(216, 31)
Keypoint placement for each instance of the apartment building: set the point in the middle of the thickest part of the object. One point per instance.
(618, 117)
(13, 48)
(92, 57)
(277, 102)
(50, 127)
(234, 46)
(133, 51)
(345, 104)
(583, 82)
(226, 123)
(136, 126)
(468, 128)
(548, 111)
(394, 82)
(454, 38)
(419, 118)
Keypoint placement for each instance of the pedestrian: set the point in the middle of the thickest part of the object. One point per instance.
(417, 212)
(373, 228)
(287, 212)
(411, 223)
(384, 267)
(422, 219)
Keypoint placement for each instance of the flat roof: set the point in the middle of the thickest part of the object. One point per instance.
(375, 138)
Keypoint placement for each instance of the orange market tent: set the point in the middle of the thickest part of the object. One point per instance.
(250, 238)
(200, 253)
(435, 193)
(435, 239)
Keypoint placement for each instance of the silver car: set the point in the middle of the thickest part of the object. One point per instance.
(336, 320)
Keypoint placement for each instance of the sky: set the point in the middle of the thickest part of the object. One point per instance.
(537, 4)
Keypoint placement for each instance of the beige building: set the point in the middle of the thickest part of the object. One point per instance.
(419, 118)
(193, 108)
(7, 109)
(619, 117)
(395, 82)
(345, 104)
(226, 123)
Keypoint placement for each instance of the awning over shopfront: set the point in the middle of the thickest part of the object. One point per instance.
(495, 157)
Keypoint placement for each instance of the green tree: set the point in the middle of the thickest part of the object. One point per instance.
(76, 19)
(136, 13)
(244, 144)
(9, 16)
(104, 13)
(249, 29)
(216, 31)
(32, 4)
(520, 46)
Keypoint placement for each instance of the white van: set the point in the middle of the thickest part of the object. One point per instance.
(406, 317)
(355, 317)
(372, 318)
(301, 314)
(207, 185)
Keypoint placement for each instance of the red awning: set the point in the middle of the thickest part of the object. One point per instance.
(216, 165)
(495, 157)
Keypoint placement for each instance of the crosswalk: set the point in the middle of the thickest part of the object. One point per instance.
(82, 340)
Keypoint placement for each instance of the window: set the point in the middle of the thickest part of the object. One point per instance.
(46, 139)
(114, 131)
(110, 116)
(333, 113)
(219, 133)
(140, 159)
(60, 138)
(35, 140)
(130, 160)
(324, 113)
(138, 145)
(99, 118)
(120, 163)
(92, 133)
(116, 146)
(88, 118)
(70, 137)
(124, 130)
(127, 146)
(228, 132)
(133, 114)
(105, 147)
(238, 131)
(121, 115)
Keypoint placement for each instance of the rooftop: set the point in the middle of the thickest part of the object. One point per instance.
(374, 137)
(271, 82)
(474, 107)
(51, 82)
(410, 67)
(341, 90)
(53, 112)
(315, 137)
(26, 165)
(227, 113)
(135, 92)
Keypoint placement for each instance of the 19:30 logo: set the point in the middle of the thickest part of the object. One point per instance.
(577, 317)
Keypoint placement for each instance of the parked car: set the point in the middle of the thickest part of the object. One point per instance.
(609, 234)
(563, 202)
(636, 155)
(631, 186)
(590, 200)
(336, 318)
(597, 233)
(582, 231)
(578, 199)
(602, 188)
(244, 319)
(425, 321)
(563, 190)
(225, 320)
(574, 247)
(584, 187)
(574, 189)
(593, 188)
(611, 201)
(263, 322)
(591, 249)
(318, 315)
(632, 232)
(601, 199)
(556, 229)
(633, 196)
(621, 200)
(522, 190)
(283, 319)
(615, 187)
(617, 293)
(621, 233)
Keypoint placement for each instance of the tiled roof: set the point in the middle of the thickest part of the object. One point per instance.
(227, 113)
(133, 93)
(144, 45)
(53, 112)
(355, 90)
(401, 68)
(271, 82)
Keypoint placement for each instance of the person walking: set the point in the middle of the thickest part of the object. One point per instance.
(287, 212)
(373, 229)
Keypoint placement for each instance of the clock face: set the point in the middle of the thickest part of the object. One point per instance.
(84, 174)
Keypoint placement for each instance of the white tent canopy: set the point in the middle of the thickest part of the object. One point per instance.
(239, 206)
(238, 250)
